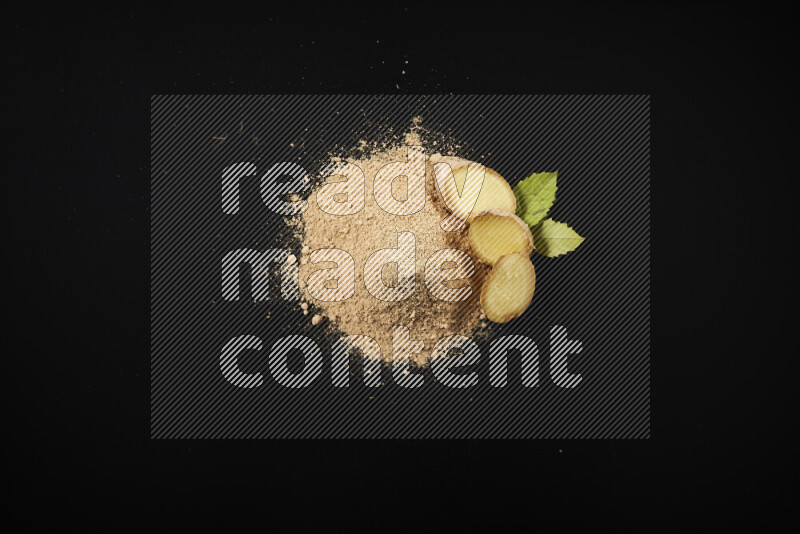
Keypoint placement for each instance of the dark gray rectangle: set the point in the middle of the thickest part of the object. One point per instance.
(600, 293)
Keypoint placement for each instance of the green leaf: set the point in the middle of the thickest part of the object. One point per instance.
(535, 196)
(551, 238)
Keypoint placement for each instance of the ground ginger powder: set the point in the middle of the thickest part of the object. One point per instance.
(428, 318)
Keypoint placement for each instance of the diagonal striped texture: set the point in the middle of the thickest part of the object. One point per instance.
(349, 184)
(575, 365)
(437, 274)
(413, 169)
(336, 266)
(459, 202)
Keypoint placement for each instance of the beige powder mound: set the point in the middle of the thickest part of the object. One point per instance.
(429, 319)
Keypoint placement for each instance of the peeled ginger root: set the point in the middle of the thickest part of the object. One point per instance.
(496, 233)
(508, 288)
(495, 193)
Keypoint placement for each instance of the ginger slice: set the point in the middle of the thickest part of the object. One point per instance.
(508, 288)
(496, 233)
(495, 192)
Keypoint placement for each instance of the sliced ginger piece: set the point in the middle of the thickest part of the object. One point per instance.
(496, 233)
(495, 193)
(508, 288)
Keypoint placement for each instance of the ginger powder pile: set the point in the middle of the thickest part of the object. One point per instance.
(360, 234)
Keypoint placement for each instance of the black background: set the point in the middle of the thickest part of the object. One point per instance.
(77, 84)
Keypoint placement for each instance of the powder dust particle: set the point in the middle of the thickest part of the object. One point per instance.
(428, 319)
